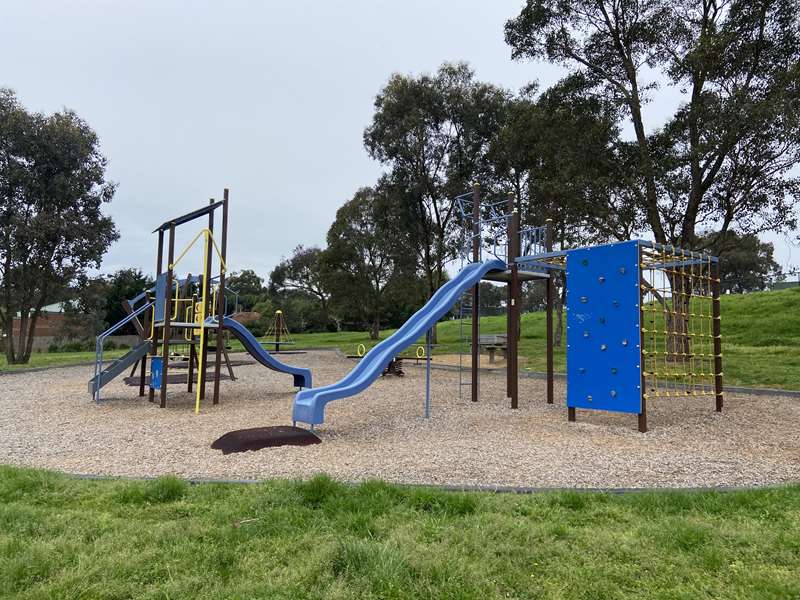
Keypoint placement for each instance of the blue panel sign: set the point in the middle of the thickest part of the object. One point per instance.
(156, 370)
(603, 328)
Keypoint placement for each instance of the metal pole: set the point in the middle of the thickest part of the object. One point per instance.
(221, 295)
(642, 417)
(717, 333)
(167, 316)
(202, 370)
(98, 367)
(428, 374)
(549, 314)
(476, 256)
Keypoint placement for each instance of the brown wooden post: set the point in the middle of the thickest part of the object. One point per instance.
(136, 323)
(549, 289)
(167, 316)
(642, 417)
(571, 412)
(142, 375)
(192, 355)
(154, 341)
(512, 316)
(476, 256)
(221, 295)
(206, 310)
(716, 329)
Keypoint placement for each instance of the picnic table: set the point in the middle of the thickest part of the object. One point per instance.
(492, 343)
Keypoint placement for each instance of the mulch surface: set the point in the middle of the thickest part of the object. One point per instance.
(257, 438)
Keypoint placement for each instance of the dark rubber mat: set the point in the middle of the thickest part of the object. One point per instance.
(257, 438)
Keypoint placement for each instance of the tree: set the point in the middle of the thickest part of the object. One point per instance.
(85, 313)
(556, 151)
(303, 272)
(746, 263)
(724, 161)
(249, 286)
(364, 257)
(433, 133)
(726, 156)
(52, 229)
(124, 284)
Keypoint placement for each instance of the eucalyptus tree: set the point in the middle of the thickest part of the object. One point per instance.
(303, 273)
(52, 229)
(433, 132)
(366, 257)
(725, 158)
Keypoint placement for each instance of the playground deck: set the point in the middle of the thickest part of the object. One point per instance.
(48, 422)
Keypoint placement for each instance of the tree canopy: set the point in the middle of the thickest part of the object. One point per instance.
(433, 133)
(366, 261)
(725, 158)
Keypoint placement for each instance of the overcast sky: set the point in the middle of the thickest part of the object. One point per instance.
(269, 99)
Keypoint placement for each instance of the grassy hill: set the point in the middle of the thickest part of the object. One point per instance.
(760, 337)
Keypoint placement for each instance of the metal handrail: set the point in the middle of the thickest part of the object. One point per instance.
(98, 348)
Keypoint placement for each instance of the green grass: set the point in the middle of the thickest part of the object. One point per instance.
(47, 359)
(68, 538)
(761, 340)
(760, 337)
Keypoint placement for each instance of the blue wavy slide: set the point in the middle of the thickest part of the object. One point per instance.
(302, 377)
(309, 405)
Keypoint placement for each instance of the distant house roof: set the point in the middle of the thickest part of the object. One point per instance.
(58, 307)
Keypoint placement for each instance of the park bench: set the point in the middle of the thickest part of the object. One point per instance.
(492, 343)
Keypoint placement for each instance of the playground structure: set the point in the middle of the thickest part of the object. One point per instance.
(643, 319)
(189, 311)
(278, 333)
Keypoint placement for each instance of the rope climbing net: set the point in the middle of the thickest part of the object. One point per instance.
(681, 341)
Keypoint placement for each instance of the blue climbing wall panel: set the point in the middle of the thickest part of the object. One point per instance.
(603, 354)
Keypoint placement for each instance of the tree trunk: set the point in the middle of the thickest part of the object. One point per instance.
(375, 329)
(677, 320)
(18, 353)
(26, 354)
(10, 358)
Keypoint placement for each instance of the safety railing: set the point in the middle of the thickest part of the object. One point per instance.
(492, 234)
(533, 241)
(98, 363)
